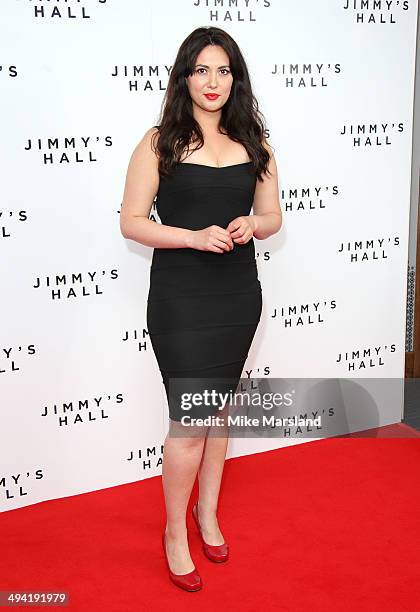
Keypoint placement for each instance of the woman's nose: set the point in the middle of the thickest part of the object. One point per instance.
(213, 79)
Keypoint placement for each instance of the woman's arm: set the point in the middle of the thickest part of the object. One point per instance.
(267, 218)
(141, 187)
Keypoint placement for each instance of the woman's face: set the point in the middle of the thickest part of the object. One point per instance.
(211, 75)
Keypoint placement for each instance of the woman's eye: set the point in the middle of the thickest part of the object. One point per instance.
(224, 70)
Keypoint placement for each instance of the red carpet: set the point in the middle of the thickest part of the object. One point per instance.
(326, 525)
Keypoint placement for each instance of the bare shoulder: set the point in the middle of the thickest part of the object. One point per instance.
(272, 167)
(267, 147)
(142, 179)
(272, 163)
(144, 159)
(145, 150)
(266, 197)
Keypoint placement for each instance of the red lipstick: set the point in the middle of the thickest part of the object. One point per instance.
(211, 96)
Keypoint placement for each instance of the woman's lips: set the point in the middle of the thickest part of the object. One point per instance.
(211, 96)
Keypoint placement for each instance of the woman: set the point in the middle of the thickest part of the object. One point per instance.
(203, 161)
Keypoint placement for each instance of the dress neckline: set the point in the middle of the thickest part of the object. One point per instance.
(215, 167)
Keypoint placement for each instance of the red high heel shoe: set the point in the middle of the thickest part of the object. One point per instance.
(217, 553)
(188, 582)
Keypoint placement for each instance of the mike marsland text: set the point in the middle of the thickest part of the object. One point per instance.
(246, 421)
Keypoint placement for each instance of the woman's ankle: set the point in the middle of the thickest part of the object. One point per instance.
(177, 532)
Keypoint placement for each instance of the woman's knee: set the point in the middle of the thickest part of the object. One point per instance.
(193, 434)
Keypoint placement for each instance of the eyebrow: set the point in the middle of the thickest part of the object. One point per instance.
(204, 66)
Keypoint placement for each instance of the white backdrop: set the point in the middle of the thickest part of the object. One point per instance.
(82, 402)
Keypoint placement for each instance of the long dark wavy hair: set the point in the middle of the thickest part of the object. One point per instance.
(241, 119)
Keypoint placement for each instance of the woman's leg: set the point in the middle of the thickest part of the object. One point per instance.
(210, 477)
(181, 459)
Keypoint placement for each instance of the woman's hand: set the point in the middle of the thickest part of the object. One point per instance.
(213, 238)
(241, 229)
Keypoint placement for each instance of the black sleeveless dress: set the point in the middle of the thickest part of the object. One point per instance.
(203, 308)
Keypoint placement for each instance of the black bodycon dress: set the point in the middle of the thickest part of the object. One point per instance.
(203, 308)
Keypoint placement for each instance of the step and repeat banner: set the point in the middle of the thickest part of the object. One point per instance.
(82, 401)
